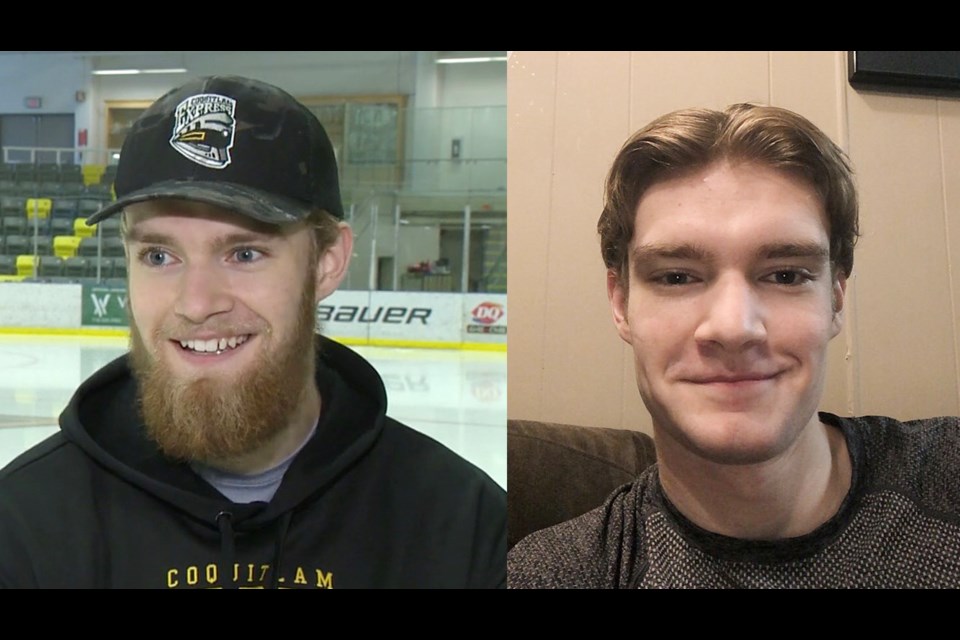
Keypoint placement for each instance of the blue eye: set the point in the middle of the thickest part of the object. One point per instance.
(155, 257)
(247, 254)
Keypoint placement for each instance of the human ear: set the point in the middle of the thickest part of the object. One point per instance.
(334, 262)
(838, 295)
(617, 294)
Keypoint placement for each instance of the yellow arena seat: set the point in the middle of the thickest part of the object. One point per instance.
(80, 228)
(92, 173)
(65, 246)
(26, 266)
(40, 207)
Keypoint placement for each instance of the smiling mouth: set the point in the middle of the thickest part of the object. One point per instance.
(213, 346)
(734, 380)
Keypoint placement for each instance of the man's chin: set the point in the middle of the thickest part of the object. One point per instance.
(216, 378)
(736, 439)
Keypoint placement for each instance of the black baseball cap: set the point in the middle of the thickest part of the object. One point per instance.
(234, 142)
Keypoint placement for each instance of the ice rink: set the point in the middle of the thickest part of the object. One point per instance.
(456, 397)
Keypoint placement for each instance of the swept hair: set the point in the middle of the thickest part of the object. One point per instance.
(691, 139)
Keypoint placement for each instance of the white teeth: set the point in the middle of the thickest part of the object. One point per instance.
(214, 344)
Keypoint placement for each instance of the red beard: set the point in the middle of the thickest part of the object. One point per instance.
(206, 419)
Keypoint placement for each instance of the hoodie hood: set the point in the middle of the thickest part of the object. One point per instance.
(103, 419)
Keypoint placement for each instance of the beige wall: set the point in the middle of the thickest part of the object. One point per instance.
(568, 114)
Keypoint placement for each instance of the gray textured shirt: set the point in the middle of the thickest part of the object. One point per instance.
(898, 527)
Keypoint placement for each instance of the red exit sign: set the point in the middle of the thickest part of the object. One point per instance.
(33, 102)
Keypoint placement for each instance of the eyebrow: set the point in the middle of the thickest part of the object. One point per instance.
(646, 252)
(794, 250)
(216, 244)
(696, 252)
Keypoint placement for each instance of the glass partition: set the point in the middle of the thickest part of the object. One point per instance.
(423, 189)
(421, 150)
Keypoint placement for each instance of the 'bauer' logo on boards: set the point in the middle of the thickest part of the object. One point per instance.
(388, 315)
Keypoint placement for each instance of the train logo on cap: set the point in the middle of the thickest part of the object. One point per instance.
(203, 129)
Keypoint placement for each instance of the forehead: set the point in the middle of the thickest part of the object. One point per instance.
(731, 203)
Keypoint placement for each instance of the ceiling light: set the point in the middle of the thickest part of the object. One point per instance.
(116, 72)
(460, 60)
(133, 72)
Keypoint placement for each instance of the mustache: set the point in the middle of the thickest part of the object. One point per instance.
(185, 330)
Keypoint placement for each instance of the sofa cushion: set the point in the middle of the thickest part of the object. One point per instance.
(558, 471)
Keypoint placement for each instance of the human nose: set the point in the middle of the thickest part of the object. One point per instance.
(734, 316)
(202, 293)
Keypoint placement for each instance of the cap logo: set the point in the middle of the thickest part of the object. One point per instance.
(203, 129)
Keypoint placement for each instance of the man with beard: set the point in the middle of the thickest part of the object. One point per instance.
(233, 447)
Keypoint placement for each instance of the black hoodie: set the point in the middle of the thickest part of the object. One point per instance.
(367, 503)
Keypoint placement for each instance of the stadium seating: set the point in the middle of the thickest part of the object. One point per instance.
(77, 267)
(40, 207)
(71, 174)
(86, 207)
(14, 225)
(65, 246)
(61, 227)
(100, 191)
(49, 267)
(43, 209)
(64, 207)
(104, 266)
(47, 172)
(26, 266)
(119, 268)
(82, 229)
(110, 226)
(18, 245)
(88, 247)
(23, 171)
(13, 205)
(113, 247)
(72, 189)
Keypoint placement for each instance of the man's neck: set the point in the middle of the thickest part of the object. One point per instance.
(785, 497)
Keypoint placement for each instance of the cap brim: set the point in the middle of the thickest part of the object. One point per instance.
(257, 204)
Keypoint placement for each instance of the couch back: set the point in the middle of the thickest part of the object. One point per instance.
(559, 471)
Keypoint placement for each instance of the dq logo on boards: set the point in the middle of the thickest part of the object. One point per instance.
(486, 315)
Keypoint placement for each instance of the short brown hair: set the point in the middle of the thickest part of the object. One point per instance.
(326, 230)
(692, 139)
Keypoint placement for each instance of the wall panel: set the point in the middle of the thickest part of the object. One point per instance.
(898, 354)
(530, 121)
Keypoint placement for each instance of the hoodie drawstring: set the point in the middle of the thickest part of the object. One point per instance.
(282, 528)
(227, 549)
